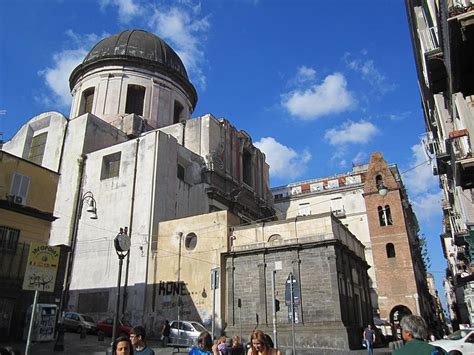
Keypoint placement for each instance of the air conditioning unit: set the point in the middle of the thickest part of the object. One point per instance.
(18, 200)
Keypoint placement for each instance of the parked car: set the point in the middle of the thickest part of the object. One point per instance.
(459, 342)
(185, 333)
(107, 325)
(76, 322)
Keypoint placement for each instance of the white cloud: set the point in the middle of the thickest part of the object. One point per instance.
(352, 132)
(360, 158)
(420, 178)
(127, 9)
(366, 68)
(284, 162)
(428, 206)
(57, 77)
(304, 74)
(422, 186)
(331, 96)
(184, 29)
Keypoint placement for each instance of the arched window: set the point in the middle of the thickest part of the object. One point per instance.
(274, 238)
(178, 111)
(390, 250)
(385, 216)
(135, 99)
(379, 182)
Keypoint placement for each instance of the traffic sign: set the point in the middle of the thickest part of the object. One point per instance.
(296, 290)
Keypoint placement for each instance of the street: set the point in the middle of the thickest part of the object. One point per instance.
(74, 345)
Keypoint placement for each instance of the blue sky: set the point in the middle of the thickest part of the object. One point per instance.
(317, 84)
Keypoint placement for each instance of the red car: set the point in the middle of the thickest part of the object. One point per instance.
(107, 326)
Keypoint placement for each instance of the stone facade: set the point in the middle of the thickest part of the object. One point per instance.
(327, 262)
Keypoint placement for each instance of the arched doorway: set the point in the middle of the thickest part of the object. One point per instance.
(396, 315)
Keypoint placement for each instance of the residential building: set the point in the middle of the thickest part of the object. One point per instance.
(27, 196)
(371, 201)
(442, 34)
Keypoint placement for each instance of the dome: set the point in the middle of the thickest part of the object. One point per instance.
(140, 48)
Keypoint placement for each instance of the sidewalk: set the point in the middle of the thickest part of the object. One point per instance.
(90, 345)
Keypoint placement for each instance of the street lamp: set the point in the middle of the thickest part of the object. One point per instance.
(88, 198)
(122, 248)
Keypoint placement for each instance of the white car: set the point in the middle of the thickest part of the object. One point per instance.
(185, 333)
(457, 343)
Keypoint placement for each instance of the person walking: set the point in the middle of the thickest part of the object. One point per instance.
(369, 339)
(414, 333)
(137, 338)
(165, 333)
(204, 346)
(122, 346)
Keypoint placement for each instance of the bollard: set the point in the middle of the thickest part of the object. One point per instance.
(59, 345)
(83, 333)
(100, 335)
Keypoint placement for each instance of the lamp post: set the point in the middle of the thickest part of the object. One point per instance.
(88, 198)
(122, 248)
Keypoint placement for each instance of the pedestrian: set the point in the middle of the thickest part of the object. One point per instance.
(414, 333)
(369, 339)
(204, 346)
(221, 346)
(122, 346)
(260, 345)
(137, 338)
(237, 346)
(165, 333)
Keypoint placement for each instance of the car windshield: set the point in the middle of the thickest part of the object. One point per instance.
(198, 327)
(126, 323)
(88, 319)
(459, 334)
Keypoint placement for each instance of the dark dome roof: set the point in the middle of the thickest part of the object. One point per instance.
(140, 48)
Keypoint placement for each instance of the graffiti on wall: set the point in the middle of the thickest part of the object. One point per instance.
(172, 288)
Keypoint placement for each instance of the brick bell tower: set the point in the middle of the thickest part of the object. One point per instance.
(393, 234)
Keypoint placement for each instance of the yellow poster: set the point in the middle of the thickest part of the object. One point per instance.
(41, 269)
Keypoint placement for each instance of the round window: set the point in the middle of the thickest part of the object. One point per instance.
(190, 241)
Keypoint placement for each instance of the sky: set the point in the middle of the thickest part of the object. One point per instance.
(318, 85)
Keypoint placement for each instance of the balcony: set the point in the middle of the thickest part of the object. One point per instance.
(437, 73)
(461, 46)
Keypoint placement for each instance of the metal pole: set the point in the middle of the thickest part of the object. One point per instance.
(32, 320)
(292, 314)
(240, 322)
(179, 284)
(213, 303)
(275, 339)
(117, 307)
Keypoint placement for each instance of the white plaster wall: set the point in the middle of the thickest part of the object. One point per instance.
(354, 206)
(85, 134)
(54, 124)
(111, 82)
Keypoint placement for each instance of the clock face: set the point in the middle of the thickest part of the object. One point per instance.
(122, 242)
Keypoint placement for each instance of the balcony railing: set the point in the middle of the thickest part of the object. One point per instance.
(459, 7)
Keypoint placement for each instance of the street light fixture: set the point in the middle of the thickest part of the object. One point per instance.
(122, 248)
(87, 197)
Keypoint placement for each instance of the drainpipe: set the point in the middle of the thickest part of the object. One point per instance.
(62, 146)
(130, 226)
(150, 224)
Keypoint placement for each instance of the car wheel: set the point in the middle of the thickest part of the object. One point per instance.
(455, 352)
(79, 329)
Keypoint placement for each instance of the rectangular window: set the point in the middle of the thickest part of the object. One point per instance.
(87, 101)
(135, 99)
(19, 188)
(9, 238)
(304, 209)
(38, 143)
(181, 172)
(110, 166)
(178, 111)
(247, 167)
